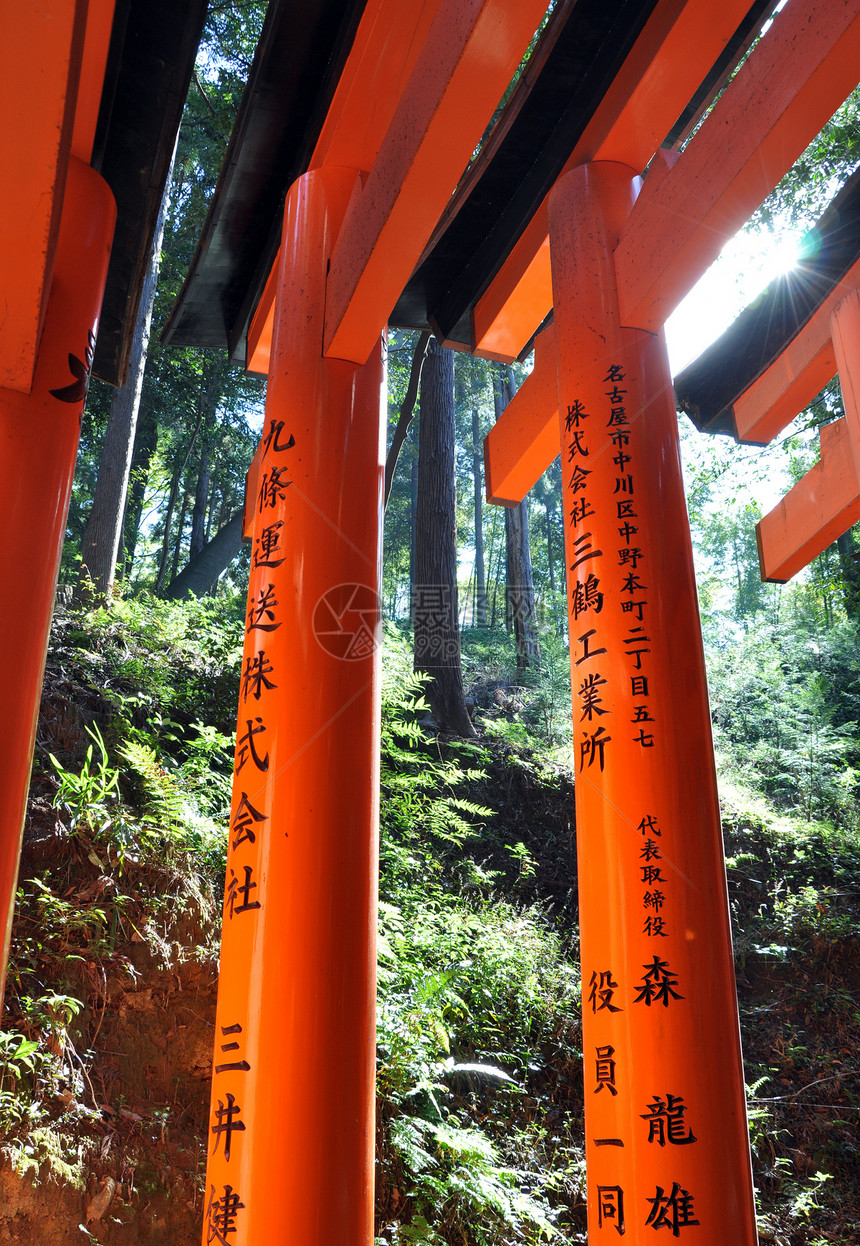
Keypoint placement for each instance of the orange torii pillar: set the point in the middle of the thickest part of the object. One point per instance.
(667, 1145)
(291, 1124)
(38, 445)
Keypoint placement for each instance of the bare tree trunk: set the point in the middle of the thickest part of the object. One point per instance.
(205, 398)
(202, 572)
(406, 412)
(177, 544)
(413, 512)
(849, 562)
(480, 576)
(201, 497)
(145, 445)
(437, 635)
(101, 539)
(520, 580)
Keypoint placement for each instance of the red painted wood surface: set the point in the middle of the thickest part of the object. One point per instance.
(38, 445)
(291, 1126)
(667, 1145)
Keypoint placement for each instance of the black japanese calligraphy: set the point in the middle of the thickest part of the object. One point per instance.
(590, 696)
(245, 746)
(651, 874)
(263, 608)
(671, 1211)
(221, 1215)
(232, 1066)
(582, 550)
(226, 1124)
(577, 478)
(272, 439)
(243, 822)
(580, 510)
(267, 544)
(273, 487)
(648, 825)
(255, 675)
(657, 985)
(235, 889)
(666, 1122)
(631, 607)
(577, 446)
(655, 927)
(576, 413)
(610, 1207)
(630, 555)
(605, 1070)
(591, 748)
(587, 651)
(80, 370)
(586, 596)
(601, 989)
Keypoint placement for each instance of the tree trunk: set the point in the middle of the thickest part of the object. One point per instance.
(413, 512)
(520, 580)
(145, 445)
(437, 636)
(203, 399)
(404, 419)
(101, 539)
(177, 544)
(202, 572)
(849, 562)
(480, 575)
(201, 497)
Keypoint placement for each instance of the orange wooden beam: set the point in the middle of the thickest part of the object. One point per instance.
(793, 81)
(679, 44)
(468, 59)
(390, 36)
(38, 443)
(826, 501)
(50, 93)
(653, 903)
(43, 45)
(295, 1017)
(96, 47)
(792, 381)
(524, 440)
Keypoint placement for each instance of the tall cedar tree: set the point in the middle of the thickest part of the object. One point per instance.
(101, 539)
(437, 635)
(520, 579)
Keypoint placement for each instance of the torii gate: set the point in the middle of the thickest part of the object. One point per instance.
(92, 94)
(291, 1125)
(291, 1121)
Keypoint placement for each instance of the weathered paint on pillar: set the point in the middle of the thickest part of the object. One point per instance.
(38, 444)
(291, 1126)
(666, 1133)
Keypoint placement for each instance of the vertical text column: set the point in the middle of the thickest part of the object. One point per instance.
(666, 1133)
(291, 1127)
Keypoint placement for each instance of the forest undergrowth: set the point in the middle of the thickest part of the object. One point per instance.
(105, 1049)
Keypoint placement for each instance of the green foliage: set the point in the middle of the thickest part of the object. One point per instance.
(476, 997)
(88, 798)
